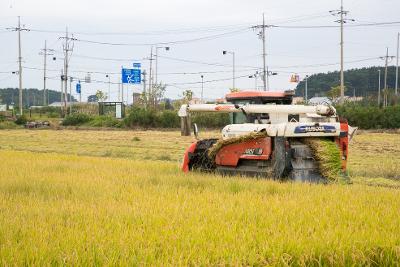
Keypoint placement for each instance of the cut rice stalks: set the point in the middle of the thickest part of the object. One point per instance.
(213, 151)
(327, 154)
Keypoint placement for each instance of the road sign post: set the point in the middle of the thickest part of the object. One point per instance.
(79, 90)
(132, 76)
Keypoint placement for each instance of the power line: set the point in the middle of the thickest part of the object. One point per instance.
(204, 38)
(336, 26)
(209, 81)
(154, 32)
(325, 64)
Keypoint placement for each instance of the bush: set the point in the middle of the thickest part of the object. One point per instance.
(21, 120)
(105, 121)
(8, 125)
(76, 119)
(169, 119)
(371, 117)
(211, 120)
(53, 115)
(139, 117)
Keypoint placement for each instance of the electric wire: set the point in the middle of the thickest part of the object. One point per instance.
(204, 38)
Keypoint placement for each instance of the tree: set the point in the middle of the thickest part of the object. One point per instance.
(101, 96)
(155, 95)
(334, 93)
(188, 95)
(92, 98)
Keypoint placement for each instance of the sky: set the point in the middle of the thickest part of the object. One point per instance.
(197, 32)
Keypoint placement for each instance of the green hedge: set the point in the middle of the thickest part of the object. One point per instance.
(211, 120)
(371, 117)
(139, 117)
(76, 119)
(21, 120)
(105, 121)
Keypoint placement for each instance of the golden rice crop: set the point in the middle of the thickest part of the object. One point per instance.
(77, 210)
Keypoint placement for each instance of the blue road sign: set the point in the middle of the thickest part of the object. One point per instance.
(137, 65)
(78, 88)
(132, 76)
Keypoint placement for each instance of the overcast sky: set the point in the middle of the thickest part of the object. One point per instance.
(226, 23)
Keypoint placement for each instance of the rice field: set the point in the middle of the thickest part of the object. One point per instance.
(118, 198)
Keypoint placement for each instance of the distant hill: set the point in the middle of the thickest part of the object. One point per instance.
(362, 82)
(30, 97)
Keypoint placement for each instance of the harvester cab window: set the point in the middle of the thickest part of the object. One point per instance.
(238, 118)
(260, 118)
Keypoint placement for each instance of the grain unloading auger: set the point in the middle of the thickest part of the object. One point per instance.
(268, 137)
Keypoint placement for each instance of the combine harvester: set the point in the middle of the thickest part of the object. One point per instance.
(269, 137)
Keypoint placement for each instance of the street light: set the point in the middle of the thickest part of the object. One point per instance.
(202, 87)
(269, 73)
(167, 48)
(233, 66)
(255, 76)
(306, 89)
(109, 86)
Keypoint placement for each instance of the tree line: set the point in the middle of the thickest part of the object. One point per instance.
(362, 82)
(30, 97)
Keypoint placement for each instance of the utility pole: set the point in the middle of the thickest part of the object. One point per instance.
(255, 80)
(264, 54)
(341, 55)
(343, 14)
(45, 52)
(144, 73)
(386, 68)
(234, 75)
(202, 88)
(19, 29)
(61, 89)
(68, 48)
(397, 65)
(262, 36)
(70, 94)
(150, 91)
(385, 89)
(379, 89)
